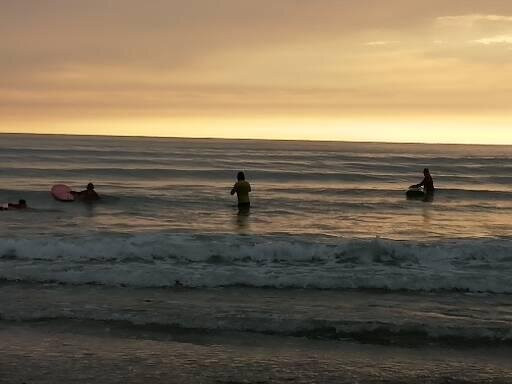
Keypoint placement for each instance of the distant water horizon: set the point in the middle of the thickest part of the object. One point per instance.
(258, 139)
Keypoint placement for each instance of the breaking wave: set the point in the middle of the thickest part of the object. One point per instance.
(162, 260)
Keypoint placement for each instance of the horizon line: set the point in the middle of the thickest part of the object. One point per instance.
(254, 139)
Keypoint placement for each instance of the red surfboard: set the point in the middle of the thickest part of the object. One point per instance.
(62, 192)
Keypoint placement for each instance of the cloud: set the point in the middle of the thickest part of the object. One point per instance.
(501, 39)
(472, 19)
(382, 42)
(228, 57)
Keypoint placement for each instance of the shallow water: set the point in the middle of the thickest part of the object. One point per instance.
(299, 188)
(324, 215)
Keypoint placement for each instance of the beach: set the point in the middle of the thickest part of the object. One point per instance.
(110, 335)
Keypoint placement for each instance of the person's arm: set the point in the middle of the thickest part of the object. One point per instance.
(418, 185)
(249, 187)
(233, 190)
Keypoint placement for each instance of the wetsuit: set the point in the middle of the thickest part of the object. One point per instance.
(17, 206)
(242, 189)
(6, 206)
(86, 195)
(428, 184)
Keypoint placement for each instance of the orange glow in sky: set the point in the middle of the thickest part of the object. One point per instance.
(397, 70)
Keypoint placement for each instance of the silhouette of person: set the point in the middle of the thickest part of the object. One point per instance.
(242, 189)
(427, 183)
(88, 194)
(22, 204)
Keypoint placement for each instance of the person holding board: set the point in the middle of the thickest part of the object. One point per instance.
(427, 194)
(427, 183)
(242, 189)
(88, 194)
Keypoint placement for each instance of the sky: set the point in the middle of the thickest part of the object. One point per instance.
(365, 70)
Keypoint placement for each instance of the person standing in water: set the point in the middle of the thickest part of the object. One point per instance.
(242, 189)
(427, 183)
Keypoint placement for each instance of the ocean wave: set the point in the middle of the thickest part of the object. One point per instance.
(159, 260)
(99, 173)
(200, 319)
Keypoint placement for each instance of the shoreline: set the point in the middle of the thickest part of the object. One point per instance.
(448, 320)
(49, 353)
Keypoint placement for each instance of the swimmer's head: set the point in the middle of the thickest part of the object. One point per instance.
(240, 176)
(90, 186)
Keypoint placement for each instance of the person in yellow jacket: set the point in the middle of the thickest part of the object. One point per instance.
(242, 189)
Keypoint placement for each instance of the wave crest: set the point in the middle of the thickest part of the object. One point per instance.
(158, 260)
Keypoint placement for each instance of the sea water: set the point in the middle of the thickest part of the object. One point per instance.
(329, 224)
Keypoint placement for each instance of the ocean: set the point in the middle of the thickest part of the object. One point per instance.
(333, 275)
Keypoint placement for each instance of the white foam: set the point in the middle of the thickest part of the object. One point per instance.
(210, 261)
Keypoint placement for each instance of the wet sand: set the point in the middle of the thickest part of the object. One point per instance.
(89, 352)
(450, 319)
(93, 334)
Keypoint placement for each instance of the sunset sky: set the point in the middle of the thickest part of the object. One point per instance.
(394, 70)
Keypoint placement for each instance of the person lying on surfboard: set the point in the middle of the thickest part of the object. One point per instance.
(88, 194)
(427, 183)
(22, 204)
